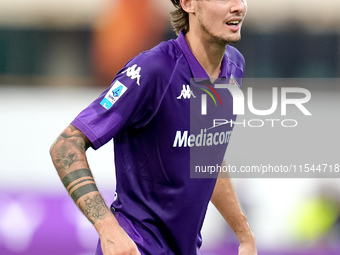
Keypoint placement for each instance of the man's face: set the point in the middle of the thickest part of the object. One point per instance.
(221, 20)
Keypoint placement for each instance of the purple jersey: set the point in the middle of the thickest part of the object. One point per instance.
(162, 124)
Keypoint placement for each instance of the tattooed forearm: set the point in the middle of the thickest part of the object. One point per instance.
(69, 149)
(82, 191)
(79, 183)
(81, 174)
(69, 157)
(95, 207)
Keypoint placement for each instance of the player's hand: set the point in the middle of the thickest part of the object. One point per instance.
(118, 243)
(115, 241)
(247, 249)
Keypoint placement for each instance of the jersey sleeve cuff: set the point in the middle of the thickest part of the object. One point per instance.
(96, 144)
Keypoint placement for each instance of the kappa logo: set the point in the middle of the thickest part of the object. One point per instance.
(186, 93)
(133, 72)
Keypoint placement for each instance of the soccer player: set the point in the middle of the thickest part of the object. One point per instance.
(159, 111)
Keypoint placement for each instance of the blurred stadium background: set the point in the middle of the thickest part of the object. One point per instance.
(57, 56)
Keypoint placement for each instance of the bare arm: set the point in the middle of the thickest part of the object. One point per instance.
(226, 202)
(69, 159)
(68, 154)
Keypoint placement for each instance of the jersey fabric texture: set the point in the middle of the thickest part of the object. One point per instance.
(153, 112)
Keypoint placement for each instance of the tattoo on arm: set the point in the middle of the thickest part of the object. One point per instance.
(80, 183)
(69, 148)
(77, 174)
(95, 207)
(69, 158)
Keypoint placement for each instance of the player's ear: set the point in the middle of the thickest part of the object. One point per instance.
(188, 5)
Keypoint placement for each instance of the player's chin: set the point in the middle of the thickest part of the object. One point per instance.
(235, 38)
(230, 40)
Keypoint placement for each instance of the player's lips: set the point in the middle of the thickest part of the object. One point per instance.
(234, 24)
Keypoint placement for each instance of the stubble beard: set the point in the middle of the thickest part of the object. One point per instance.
(216, 39)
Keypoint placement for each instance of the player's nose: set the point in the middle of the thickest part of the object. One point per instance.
(238, 6)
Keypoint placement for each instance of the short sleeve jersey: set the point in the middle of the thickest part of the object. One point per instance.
(161, 111)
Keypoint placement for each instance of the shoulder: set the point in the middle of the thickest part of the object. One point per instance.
(156, 63)
(235, 57)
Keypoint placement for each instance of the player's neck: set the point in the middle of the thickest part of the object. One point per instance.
(208, 54)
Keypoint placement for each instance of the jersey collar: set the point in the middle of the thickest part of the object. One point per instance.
(196, 69)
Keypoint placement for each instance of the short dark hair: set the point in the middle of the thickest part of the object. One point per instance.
(179, 18)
